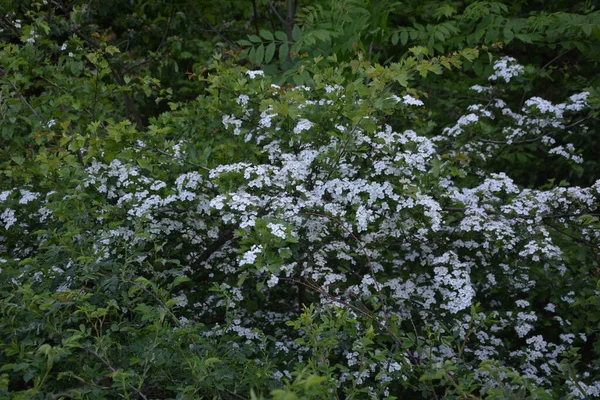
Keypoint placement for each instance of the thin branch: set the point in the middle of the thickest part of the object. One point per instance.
(162, 40)
(279, 17)
(212, 28)
(81, 388)
(535, 139)
(213, 247)
(110, 367)
(555, 58)
(575, 238)
(317, 288)
(171, 156)
(138, 64)
(544, 217)
(24, 100)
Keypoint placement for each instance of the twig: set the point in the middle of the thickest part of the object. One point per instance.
(167, 28)
(83, 387)
(554, 59)
(110, 367)
(279, 17)
(315, 287)
(171, 156)
(42, 120)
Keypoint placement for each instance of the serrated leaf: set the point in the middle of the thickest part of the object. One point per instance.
(312, 381)
(285, 253)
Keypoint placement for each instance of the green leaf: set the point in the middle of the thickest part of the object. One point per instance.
(254, 39)
(76, 67)
(270, 51)
(491, 36)
(266, 34)
(284, 51)
(312, 381)
(404, 37)
(285, 253)
(478, 68)
(260, 54)
(279, 35)
(298, 80)
(209, 362)
(179, 280)
(395, 38)
(296, 33)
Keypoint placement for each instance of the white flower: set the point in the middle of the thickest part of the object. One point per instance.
(63, 47)
(242, 99)
(303, 125)
(249, 257)
(273, 280)
(480, 89)
(254, 74)
(277, 230)
(506, 68)
(411, 101)
(8, 217)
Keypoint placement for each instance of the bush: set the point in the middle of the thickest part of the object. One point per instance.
(270, 240)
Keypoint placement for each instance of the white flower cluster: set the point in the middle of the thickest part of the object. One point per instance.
(506, 68)
(539, 121)
(249, 257)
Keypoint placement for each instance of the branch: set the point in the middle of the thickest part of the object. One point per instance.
(535, 139)
(110, 367)
(279, 17)
(317, 288)
(42, 120)
(213, 247)
(81, 388)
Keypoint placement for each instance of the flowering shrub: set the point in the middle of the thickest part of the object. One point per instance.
(318, 241)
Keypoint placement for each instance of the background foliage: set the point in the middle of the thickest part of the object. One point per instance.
(372, 216)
